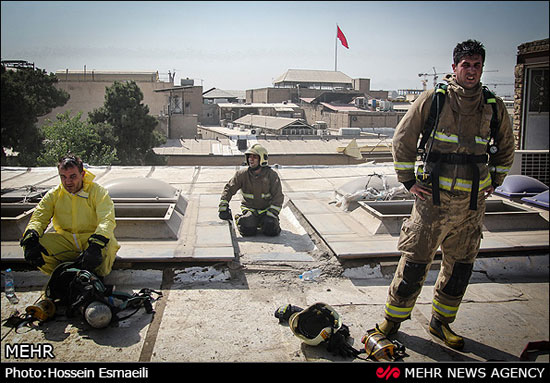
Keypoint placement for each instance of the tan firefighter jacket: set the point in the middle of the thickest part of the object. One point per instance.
(463, 128)
(259, 192)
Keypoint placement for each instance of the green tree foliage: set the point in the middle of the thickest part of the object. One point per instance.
(26, 95)
(95, 144)
(133, 127)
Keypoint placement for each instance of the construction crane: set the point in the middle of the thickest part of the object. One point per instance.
(425, 80)
(435, 75)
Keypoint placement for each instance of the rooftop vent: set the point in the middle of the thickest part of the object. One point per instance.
(145, 190)
(15, 217)
(500, 215)
(146, 208)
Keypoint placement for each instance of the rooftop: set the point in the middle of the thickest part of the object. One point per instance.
(311, 192)
(313, 76)
(207, 271)
(277, 146)
(224, 94)
(269, 122)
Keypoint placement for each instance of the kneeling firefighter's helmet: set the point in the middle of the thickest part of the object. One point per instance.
(315, 324)
(260, 151)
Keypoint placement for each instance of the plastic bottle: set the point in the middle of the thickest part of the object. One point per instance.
(10, 287)
(310, 275)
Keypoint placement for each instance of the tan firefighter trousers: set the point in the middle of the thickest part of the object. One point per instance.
(458, 231)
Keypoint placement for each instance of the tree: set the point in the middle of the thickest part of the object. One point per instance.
(94, 144)
(133, 126)
(27, 94)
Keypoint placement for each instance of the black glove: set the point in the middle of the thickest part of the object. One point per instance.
(409, 184)
(91, 257)
(284, 312)
(224, 212)
(33, 249)
(338, 344)
(226, 215)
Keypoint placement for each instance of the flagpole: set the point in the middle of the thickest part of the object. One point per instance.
(336, 49)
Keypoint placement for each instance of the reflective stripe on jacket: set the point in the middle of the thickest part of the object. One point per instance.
(463, 128)
(259, 192)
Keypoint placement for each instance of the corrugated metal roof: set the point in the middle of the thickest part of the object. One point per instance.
(268, 122)
(342, 108)
(220, 93)
(313, 76)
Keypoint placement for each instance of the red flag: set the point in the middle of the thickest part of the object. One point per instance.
(341, 36)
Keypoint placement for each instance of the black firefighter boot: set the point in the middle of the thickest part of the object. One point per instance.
(444, 332)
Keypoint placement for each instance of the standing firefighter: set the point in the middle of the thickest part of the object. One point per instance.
(262, 195)
(466, 151)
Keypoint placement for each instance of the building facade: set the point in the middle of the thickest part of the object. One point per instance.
(531, 106)
(176, 108)
(180, 114)
(295, 84)
(531, 110)
(87, 90)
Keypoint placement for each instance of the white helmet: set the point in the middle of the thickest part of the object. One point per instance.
(315, 324)
(98, 314)
(260, 151)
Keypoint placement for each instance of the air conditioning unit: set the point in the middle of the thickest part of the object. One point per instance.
(360, 102)
(532, 163)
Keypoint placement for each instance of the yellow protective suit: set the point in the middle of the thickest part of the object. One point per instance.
(75, 217)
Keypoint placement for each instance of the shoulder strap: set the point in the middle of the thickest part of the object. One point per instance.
(143, 298)
(438, 100)
(59, 284)
(490, 98)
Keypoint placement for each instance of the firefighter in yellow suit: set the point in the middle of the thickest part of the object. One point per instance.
(450, 188)
(83, 216)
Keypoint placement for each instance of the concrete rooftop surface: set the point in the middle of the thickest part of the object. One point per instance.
(220, 290)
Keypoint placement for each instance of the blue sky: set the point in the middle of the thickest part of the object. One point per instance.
(245, 45)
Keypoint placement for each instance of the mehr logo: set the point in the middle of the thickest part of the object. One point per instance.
(389, 372)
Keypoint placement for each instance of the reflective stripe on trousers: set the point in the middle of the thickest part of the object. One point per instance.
(453, 228)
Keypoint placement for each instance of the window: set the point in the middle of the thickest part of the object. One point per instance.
(534, 132)
(176, 104)
(538, 90)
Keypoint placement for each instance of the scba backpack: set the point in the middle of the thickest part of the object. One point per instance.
(81, 292)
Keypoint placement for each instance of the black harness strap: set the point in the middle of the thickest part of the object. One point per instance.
(430, 127)
(457, 159)
(438, 100)
(492, 147)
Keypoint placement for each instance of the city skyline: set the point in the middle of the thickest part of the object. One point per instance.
(246, 45)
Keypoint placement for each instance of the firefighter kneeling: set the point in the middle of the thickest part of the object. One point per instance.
(262, 196)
